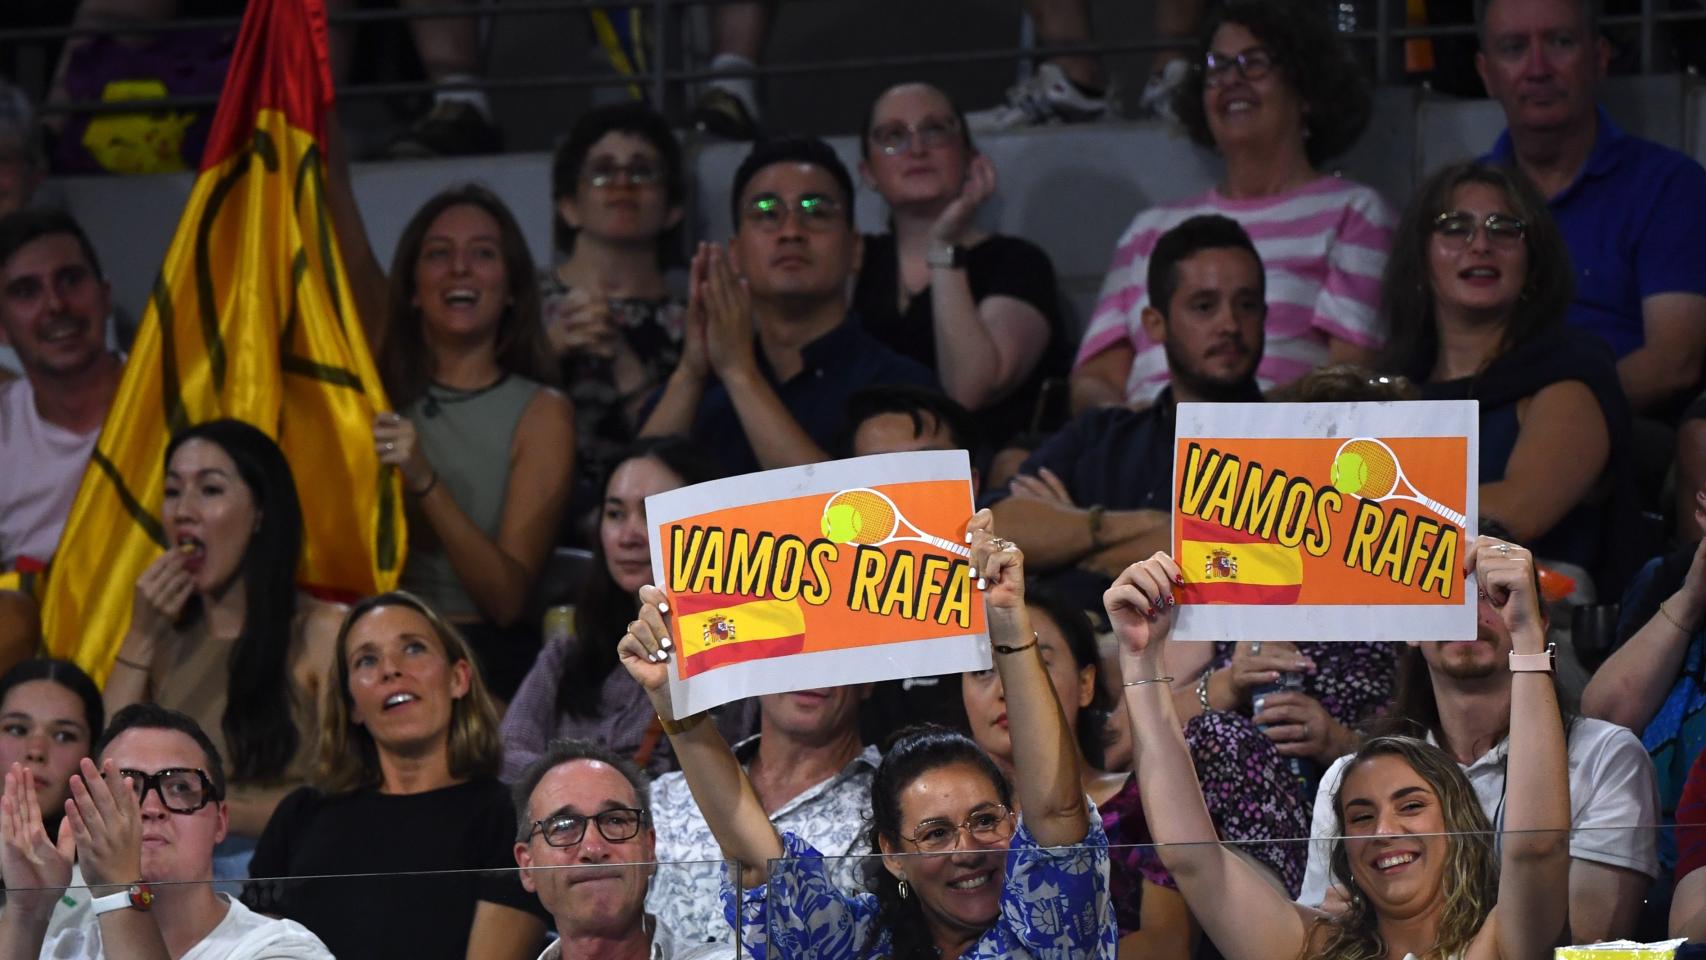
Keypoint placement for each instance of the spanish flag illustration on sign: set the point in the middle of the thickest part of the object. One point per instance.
(853, 571)
(1319, 521)
(251, 317)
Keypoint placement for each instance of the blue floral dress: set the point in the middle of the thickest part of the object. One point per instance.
(1054, 906)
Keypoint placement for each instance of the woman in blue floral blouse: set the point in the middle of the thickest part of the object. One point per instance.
(962, 874)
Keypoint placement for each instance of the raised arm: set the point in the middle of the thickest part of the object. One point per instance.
(1631, 685)
(367, 280)
(35, 869)
(162, 589)
(1245, 916)
(719, 784)
(1045, 755)
(1534, 865)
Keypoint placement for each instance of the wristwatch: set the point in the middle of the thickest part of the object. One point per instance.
(950, 255)
(1542, 662)
(135, 897)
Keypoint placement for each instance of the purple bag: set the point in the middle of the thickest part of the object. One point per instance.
(178, 64)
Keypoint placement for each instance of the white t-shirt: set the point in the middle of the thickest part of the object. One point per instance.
(242, 935)
(1612, 784)
(40, 468)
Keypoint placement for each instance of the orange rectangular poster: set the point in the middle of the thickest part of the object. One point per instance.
(1316, 521)
(852, 571)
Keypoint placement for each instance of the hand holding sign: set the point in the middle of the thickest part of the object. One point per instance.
(1141, 607)
(644, 649)
(998, 564)
(1506, 576)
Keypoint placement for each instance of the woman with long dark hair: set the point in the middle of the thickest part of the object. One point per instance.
(218, 629)
(963, 872)
(1425, 876)
(406, 784)
(1475, 292)
(485, 445)
(575, 691)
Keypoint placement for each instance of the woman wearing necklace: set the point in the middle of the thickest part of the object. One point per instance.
(1475, 291)
(485, 448)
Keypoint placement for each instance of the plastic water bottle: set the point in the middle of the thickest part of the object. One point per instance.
(1288, 681)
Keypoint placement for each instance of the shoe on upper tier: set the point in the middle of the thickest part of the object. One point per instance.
(1046, 97)
(451, 129)
(721, 114)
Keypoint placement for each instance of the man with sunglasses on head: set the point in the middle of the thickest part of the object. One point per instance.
(142, 826)
(770, 355)
(585, 845)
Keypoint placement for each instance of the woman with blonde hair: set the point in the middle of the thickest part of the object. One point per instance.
(1425, 877)
(406, 784)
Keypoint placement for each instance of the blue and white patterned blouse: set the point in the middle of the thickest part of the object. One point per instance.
(1054, 906)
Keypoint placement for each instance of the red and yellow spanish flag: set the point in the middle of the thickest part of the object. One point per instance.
(251, 317)
(713, 630)
(1223, 565)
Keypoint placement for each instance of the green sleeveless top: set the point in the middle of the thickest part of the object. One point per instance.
(467, 436)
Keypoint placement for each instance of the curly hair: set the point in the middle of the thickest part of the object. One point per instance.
(1406, 291)
(1337, 103)
(913, 752)
(1471, 881)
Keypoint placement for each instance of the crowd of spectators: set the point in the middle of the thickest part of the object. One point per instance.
(268, 774)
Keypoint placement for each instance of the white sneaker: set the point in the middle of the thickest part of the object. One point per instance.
(1157, 100)
(1045, 97)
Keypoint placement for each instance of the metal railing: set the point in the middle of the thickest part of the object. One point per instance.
(665, 26)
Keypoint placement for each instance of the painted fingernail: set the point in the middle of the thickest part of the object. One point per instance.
(982, 584)
(1151, 612)
(653, 657)
(663, 606)
(663, 655)
(968, 536)
(1179, 579)
(1172, 601)
(664, 642)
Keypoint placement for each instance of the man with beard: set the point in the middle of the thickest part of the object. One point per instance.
(1096, 497)
(1458, 695)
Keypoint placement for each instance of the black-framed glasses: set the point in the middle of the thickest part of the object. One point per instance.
(816, 212)
(1252, 65)
(991, 824)
(1458, 227)
(617, 825)
(897, 138)
(638, 173)
(181, 789)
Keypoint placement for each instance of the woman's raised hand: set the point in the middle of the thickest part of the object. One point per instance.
(1505, 573)
(1141, 607)
(395, 442)
(956, 219)
(581, 323)
(998, 565)
(161, 592)
(646, 648)
(34, 867)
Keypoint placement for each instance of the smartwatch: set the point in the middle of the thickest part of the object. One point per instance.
(135, 897)
(1542, 662)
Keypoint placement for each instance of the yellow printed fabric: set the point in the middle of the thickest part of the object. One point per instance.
(251, 317)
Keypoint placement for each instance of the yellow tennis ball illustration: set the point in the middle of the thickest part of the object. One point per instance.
(1350, 472)
(841, 523)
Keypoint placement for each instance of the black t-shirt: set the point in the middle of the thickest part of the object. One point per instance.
(997, 267)
(465, 827)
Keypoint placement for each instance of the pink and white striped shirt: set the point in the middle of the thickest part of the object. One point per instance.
(1323, 247)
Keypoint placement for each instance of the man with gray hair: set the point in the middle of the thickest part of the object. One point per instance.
(585, 844)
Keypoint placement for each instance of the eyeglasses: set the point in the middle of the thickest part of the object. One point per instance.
(991, 824)
(602, 175)
(181, 789)
(898, 138)
(567, 829)
(1253, 64)
(817, 212)
(1458, 227)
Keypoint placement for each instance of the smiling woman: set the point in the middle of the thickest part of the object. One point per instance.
(408, 750)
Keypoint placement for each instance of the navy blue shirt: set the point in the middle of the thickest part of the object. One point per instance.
(835, 366)
(1635, 222)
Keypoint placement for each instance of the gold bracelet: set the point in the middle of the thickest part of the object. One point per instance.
(1139, 683)
(1202, 691)
(1667, 616)
(999, 648)
(677, 727)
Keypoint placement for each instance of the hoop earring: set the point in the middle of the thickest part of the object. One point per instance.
(903, 889)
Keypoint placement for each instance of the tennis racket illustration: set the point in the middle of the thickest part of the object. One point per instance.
(865, 516)
(1367, 468)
